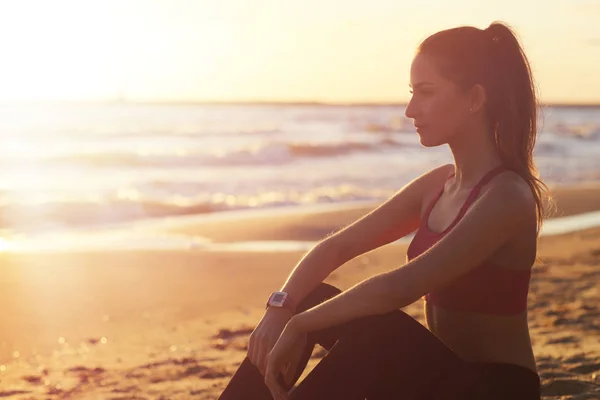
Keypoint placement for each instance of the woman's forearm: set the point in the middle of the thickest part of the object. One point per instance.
(313, 268)
(372, 296)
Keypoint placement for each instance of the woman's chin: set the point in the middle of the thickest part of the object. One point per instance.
(429, 140)
(425, 142)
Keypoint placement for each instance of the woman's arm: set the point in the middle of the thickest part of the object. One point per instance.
(395, 218)
(492, 220)
(369, 297)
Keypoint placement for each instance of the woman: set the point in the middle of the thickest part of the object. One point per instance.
(476, 223)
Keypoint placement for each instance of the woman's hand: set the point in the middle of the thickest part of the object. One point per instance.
(265, 335)
(285, 355)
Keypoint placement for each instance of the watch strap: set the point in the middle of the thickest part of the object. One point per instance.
(281, 300)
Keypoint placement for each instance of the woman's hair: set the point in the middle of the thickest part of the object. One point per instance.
(493, 58)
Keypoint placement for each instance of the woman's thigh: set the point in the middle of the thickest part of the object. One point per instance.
(386, 357)
(510, 381)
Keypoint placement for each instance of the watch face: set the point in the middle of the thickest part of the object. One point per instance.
(277, 299)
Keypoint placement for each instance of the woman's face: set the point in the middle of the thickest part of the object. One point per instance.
(438, 106)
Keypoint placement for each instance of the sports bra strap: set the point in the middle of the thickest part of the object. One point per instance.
(472, 195)
(477, 188)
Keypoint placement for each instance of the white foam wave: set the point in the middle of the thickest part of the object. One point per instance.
(264, 153)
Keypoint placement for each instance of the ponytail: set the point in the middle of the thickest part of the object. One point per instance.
(494, 58)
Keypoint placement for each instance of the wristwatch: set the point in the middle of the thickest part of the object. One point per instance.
(281, 300)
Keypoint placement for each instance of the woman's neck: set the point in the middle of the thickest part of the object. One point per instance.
(474, 155)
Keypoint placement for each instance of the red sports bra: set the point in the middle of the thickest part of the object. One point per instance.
(487, 289)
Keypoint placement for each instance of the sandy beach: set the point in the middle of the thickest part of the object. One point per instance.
(175, 324)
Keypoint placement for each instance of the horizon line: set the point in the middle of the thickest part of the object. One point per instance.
(260, 103)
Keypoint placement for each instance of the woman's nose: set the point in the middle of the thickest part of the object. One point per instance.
(409, 112)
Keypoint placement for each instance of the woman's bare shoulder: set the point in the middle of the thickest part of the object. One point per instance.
(510, 180)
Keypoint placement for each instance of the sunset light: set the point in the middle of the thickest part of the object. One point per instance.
(199, 195)
(4, 245)
(269, 50)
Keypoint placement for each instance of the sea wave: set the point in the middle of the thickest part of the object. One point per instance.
(265, 153)
(589, 131)
(53, 215)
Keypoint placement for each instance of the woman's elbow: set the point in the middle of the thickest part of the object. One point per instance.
(330, 253)
(397, 294)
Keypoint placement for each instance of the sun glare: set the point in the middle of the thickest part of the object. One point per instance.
(237, 49)
(5, 245)
(71, 50)
(60, 51)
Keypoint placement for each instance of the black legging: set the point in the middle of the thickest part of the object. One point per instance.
(386, 357)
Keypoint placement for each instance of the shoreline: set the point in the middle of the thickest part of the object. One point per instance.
(285, 228)
(314, 223)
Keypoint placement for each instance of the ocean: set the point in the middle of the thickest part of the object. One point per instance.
(84, 166)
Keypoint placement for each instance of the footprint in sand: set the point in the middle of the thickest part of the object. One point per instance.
(586, 368)
(593, 310)
(565, 387)
(126, 389)
(565, 339)
(592, 326)
(547, 365)
(236, 339)
(13, 392)
(85, 370)
(547, 358)
(595, 253)
(33, 379)
(211, 373)
(85, 374)
(54, 391)
(175, 369)
(575, 359)
(555, 374)
(564, 321)
(228, 333)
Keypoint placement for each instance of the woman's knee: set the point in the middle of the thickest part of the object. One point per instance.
(392, 326)
(320, 294)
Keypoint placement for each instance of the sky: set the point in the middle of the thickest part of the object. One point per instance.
(272, 50)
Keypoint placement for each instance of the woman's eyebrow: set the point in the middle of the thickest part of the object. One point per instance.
(416, 85)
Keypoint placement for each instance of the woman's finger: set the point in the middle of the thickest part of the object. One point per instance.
(251, 349)
(256, 351)
(271, 381)
(260, 359)
(290, 372)
(295, 356)
(266, 347)
(263, 354)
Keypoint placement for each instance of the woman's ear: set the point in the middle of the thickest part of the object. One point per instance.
(477, 98)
